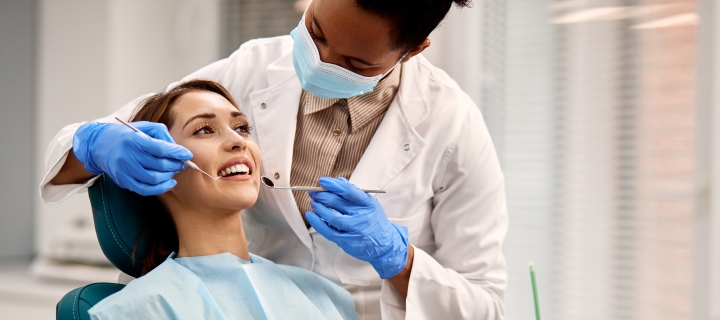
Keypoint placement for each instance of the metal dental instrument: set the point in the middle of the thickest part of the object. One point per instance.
(187, 162)
(270, 184)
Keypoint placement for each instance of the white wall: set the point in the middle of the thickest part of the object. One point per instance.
(456, 45)
(708, 225)
(96, 55)
(17, 127)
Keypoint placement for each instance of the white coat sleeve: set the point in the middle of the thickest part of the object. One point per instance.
(57, 151)
(466, 277)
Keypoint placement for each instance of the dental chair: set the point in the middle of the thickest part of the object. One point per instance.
(117, 216)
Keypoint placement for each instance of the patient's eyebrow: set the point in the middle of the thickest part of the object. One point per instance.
(200, 116)
(236, 114)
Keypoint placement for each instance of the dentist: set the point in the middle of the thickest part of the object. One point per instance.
(346, 96)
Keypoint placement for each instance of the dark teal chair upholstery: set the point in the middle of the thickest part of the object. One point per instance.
(75, 304)
(117, 217)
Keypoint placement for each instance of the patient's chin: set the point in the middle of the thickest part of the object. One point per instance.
(195, 191)
(243, 202)
(239, 198)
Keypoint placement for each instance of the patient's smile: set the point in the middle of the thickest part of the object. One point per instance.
(237, 169)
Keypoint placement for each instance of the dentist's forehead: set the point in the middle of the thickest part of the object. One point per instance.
(352, 31)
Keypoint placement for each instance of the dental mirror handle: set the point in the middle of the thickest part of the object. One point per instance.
(270, 184)
(187, 162)
(320, 189)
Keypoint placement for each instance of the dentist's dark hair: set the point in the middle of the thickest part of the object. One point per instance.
(157, 225)
(412, 20)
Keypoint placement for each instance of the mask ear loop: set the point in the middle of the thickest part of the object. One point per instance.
(395, 66)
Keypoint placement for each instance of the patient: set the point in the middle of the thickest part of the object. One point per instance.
(197, 264)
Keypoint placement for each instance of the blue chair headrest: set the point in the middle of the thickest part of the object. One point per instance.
(117, 213)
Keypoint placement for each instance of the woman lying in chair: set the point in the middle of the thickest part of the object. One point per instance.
(196, 263)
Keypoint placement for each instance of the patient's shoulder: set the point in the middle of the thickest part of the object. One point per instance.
(163, 293)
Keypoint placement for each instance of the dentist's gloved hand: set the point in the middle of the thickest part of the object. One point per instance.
(358, 225)
(134, 161)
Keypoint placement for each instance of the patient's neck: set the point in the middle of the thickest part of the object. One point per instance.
(203, 232)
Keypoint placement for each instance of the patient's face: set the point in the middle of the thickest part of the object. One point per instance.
(218, 135)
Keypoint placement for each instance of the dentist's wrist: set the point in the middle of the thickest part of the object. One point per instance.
(83, 141)
(72, 172)
(395, 260)
(401, 281)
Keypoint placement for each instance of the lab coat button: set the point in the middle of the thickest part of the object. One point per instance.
(406, 147)
(277, 175)
(336, 132)
(263, 105)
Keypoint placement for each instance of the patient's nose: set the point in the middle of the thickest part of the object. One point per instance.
(235, 141)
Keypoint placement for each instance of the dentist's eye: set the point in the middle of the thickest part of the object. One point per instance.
(243, 129)
(204, 129)
(316, 37)
(356, 70)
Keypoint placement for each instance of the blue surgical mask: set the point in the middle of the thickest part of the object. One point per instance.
(326, 80)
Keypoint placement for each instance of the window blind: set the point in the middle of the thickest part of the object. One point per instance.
(528, 146)
(249, 19)
(594, 114)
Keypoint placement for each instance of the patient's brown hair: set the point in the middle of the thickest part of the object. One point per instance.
(157, 225)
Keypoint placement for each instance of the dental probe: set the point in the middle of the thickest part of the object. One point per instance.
(187, 162)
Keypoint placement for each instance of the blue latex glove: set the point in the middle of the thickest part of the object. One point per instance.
(357, 222)
(134, 161)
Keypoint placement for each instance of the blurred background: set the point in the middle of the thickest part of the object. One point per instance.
(602, 113)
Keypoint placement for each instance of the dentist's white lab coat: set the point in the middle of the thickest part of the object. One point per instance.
(432, 154)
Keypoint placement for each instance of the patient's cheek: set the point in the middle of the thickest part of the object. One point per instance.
(183, 178)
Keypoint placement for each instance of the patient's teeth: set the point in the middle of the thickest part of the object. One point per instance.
(238, 168)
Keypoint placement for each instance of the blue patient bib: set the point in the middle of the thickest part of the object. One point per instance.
(224, 286)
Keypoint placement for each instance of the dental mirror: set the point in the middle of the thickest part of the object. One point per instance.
(270, 184)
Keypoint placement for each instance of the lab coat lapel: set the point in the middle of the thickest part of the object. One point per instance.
(275, 114)
(395, 142)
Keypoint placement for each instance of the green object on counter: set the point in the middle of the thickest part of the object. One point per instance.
(535, 294)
